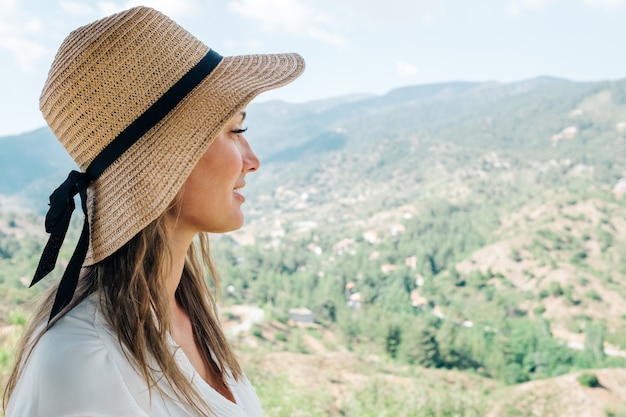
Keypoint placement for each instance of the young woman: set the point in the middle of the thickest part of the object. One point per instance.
(154, 119)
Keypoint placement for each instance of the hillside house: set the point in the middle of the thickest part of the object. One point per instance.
(419, 280)
(619, 189)
(388, 268)
(315, 249)
(305, 226)
(370, 237)
(397, 229)
(374, 255)
(418, 301)
(569, 132)
(407, 211)
(411, 262)
(342, 246)
(277, 233)
(301, 315)
(354, 301)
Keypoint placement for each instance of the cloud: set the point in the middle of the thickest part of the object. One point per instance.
(75, 8)
(16, 33)
(516, 7)
(27, 53)
(605, 4)
(291, 16)
(250, 44)
(8, 13)
(7, 6)
(390, 13)
(405, 69)
(94, 10)
(331, 21)
(25, 31)
(177, 9)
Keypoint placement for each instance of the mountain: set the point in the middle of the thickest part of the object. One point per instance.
(476, 230)
(408, 126)
(417, 136)
(29, 163)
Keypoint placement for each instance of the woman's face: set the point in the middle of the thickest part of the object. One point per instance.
(212, 194)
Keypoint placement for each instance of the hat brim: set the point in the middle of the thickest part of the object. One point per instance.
(158, 164)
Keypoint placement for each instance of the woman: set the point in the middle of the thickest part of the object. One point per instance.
(154, 119)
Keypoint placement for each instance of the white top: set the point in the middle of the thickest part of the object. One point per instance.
(78, 369)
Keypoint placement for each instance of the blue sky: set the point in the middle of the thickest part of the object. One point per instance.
(351, 46)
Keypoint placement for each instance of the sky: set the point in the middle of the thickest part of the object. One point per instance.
(350, 46)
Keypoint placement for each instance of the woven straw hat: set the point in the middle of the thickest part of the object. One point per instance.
(110, 72)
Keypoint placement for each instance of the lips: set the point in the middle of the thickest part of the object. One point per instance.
(237, 192)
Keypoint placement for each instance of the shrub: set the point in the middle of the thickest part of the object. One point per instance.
(256, 331)
(588, 380)
(230, 316)
(614, 413)
(516, 255)
(555, 289)
(578, 257)
(582, 281)
(17, 317)
(282, 318)
(280, 337)
(594, 295)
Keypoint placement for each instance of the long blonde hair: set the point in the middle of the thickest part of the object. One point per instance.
(130, 285)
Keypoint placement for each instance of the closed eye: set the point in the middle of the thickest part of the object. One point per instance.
(238, 131)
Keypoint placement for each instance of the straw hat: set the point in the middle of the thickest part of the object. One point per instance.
(106, 75)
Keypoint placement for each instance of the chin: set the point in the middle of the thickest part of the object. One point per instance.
(225, 228)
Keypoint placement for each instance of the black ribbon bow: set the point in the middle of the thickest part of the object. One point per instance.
(57, 223)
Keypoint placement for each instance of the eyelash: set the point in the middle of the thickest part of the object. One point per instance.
(239, 131)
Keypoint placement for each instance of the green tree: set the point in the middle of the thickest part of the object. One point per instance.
(419, 347)
(393, 339)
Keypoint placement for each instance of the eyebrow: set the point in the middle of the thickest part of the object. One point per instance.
(243, 115)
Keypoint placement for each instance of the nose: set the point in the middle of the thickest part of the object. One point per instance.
(250, 161)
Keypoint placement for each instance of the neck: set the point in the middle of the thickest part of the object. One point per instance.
(179, 245)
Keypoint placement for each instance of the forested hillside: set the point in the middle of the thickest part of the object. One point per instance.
(464, 239)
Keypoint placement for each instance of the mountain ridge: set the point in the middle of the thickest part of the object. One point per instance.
(476, 228)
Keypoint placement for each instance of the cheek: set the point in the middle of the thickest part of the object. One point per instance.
(228, 165)
(217, 170)
(212, 181)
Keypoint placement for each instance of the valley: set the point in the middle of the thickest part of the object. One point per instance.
(461, 249)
